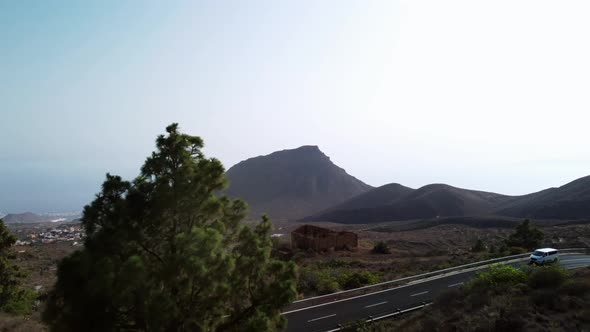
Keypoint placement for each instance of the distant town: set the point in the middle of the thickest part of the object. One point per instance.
(31, 234)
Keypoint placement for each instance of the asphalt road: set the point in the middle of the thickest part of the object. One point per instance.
(327, 316)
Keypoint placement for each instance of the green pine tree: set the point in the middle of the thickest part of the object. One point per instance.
(526, 235)
(166, 252)
(13, 297)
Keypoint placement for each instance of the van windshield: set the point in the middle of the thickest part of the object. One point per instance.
(538, 253)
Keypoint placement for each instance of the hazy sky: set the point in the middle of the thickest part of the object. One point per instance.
(490, 95)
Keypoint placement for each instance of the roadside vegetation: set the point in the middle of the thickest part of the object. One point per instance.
(320, 277)
(503, 298)
(332, 276)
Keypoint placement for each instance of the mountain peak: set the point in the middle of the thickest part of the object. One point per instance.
(290, 184)
(309, 150)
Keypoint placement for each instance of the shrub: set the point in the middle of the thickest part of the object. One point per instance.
(547, 277)
(327, 285)
(298, 256)
(314, 280)
(477, 298)
(21, 302)
(479, 246)
(357, 326)
(443, 266)
(448, 300)
(510, 322)
(381, 248)
(578, 288)
(497, 275)
(357, 279)
(333, 263)
(430, 323)
(547, 298)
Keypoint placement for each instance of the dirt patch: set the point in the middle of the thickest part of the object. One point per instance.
(40, 261)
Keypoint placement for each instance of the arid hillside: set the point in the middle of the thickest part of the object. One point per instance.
(292, 184)
(395, 202)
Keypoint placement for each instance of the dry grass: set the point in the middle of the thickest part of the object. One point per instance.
(514, 309)
(9, 323)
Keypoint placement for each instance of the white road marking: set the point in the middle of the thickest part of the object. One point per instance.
(313, 320)
(457, 284)
(376, 304)
(419, 293)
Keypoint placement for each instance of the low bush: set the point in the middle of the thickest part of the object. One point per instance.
(479, 246)
(449, 299)
(20, 302)
(547, 298)
(298, 256)
(357, 326)
(443, 266)
(381, 248)
(316, 281)
(478, 298)
(503, 298)
(510, 322)
(578, 288)
(333, 264)
(497, 275)
(547, 277)
(357, 279)
(320, 279)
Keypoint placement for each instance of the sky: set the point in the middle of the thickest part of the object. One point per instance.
(488, 95)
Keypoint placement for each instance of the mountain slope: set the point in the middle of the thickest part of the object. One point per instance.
(570, 201)
(291, 184)
(26, 217)
(390, 203)
(402, 203)
(383, 195)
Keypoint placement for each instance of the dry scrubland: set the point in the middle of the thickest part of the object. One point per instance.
(40, 262)
(545, 300)
(412, 252)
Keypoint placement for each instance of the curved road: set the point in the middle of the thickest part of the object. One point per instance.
(327, 316)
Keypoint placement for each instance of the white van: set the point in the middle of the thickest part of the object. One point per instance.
(544, 256)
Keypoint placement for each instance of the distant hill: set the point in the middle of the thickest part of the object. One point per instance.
(395, 202)
(27, 217)
(291, 184)
(571, 201)
(303, 184)
(384, 195)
